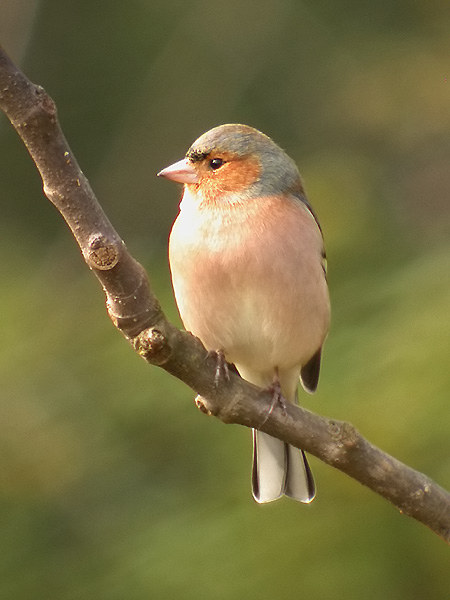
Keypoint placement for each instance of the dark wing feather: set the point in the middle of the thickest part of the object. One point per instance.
(310, 372)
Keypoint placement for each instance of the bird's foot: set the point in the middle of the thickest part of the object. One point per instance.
(277, 396)
(222, 369)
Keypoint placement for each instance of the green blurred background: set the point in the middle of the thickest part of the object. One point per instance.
(112, 485)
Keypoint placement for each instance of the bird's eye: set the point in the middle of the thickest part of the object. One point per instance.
(216, 163)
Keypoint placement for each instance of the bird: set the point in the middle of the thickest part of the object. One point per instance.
(248, 270)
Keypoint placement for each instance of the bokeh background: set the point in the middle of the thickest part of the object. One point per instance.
(112, 484)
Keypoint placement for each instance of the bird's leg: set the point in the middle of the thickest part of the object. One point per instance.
(222, 370)
(277, 396)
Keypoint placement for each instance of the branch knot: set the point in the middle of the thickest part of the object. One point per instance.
(153, 346)
(102, 253)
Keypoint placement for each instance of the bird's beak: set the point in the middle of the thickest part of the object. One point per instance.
(181, 171)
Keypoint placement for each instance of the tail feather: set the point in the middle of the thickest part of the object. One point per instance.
(299, 482)
(278, 469)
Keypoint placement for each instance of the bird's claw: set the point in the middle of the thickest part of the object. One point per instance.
(277, 396)
(222, 370)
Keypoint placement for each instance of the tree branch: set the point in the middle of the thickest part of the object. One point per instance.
(137, 313)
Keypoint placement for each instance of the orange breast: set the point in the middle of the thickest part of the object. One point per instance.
(248, 279)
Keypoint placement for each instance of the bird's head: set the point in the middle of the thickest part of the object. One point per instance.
(232, 160)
